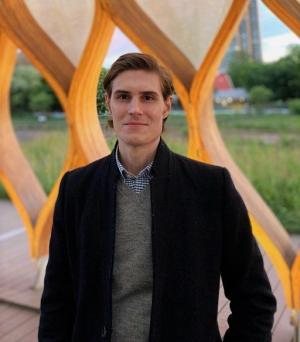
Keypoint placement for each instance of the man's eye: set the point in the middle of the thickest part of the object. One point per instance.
(123, 97)
(148, 97)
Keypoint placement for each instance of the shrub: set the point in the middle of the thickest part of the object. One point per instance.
(260, 95)
(30, 92)
(41, 100)
(294, 106)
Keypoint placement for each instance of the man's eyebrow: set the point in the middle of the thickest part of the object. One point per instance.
(121, 91)
(149, 92)
(146, 92)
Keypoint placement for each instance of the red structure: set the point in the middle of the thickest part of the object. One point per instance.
(223, 82)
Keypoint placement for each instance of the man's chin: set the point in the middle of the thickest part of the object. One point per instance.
(136, 141)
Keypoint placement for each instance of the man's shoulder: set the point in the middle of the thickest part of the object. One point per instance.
(195, 166)
(91, 167)
(88, 174)
(199, 176)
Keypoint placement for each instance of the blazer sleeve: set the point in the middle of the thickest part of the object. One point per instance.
(57, 303)
(245, 281)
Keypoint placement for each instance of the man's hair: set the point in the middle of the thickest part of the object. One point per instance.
(139, 61)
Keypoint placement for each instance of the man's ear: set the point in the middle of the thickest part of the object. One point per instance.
(168, 106)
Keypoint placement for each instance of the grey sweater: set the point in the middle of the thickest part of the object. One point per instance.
(132, 270)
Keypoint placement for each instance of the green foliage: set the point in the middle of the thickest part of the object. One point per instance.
(24, 79)
(260, 95)
(41, 100)
(267, 148)
(273, 167)
(29, 91)
(271, 123)
(246, 73)
(282, 76)
(46, 155)
(101, 106)
(294, 106)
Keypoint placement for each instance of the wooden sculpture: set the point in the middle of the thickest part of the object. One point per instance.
(139, 21)
(68, 44)
(62, 46)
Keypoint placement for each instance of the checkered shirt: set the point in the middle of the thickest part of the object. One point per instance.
(136, 183)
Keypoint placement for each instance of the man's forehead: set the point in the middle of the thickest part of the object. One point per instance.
(128, 91)
(137, 80)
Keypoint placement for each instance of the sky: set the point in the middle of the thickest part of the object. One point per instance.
(275, 37)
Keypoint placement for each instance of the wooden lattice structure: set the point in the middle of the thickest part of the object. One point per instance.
(67, 42)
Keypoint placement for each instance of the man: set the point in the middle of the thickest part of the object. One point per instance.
(141, 237)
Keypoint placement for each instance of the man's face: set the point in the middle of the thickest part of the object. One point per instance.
(138, 107)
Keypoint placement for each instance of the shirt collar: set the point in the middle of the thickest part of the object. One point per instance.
(126, 174)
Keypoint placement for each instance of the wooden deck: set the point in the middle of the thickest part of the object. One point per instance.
(282, 330)
(19, 302)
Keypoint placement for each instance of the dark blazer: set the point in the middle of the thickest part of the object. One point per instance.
(200, 231)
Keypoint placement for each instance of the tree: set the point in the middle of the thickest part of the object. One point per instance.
(260, 96)
(24, 79)
(246, 73)
(282, 76)
(30, 92)
(101, 106)
(294, 106)
(41, 101)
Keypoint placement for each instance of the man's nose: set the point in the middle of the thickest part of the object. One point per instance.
(135, 106)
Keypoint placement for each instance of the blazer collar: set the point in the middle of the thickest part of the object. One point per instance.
(162, 162)
(161, 165)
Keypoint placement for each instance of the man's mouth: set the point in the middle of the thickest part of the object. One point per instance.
(134, 123)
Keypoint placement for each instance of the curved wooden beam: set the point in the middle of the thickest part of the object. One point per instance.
(138, 27)
(207, 71)
(266, 227)
(295, 275)
(25, 192)
(82, 105)
(75, 88)
(205, 142)
(20, 26)
(87, 142)
(289, 12)
(18, 23)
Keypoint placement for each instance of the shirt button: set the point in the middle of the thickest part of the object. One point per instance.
(104, 332)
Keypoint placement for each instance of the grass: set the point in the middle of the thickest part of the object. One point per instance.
(45, 154)
(267, 123)
(46, 157)
(274, 170)
(267, 149)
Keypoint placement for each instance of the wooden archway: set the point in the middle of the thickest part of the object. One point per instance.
(72, 64)
(69, 74)
(194, 87)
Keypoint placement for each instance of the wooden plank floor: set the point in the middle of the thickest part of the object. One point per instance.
(282, 330)
(19, 302)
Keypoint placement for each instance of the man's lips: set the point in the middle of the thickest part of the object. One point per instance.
(135, 124)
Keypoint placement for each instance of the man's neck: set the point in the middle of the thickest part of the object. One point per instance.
(136, 158)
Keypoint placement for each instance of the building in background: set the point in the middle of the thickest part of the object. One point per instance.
(247, 38)
(226, 96)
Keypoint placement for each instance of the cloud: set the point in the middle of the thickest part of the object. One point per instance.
(276, 47)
